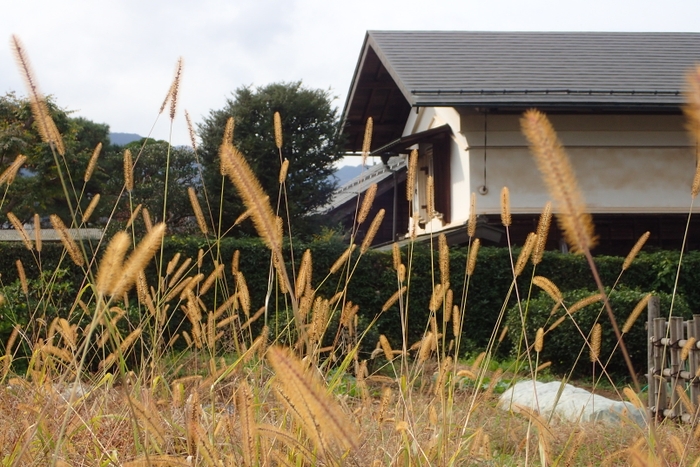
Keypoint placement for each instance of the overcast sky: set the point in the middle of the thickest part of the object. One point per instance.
(113, 61)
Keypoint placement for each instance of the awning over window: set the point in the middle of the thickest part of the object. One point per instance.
(401, 145)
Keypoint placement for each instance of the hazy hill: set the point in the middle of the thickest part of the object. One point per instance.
(121, 139)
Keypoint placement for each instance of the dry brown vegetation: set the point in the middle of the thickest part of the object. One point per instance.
(235, 397)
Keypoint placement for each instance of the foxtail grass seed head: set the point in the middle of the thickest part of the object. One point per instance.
(471, 223)
(411, 175)
(367, 141)
(544, 366)
(22, 277)
(67, 240)
(596, 336)
(456, 321)
(243, 294)
(426, 347)
(304, 278)
(228, 131)
(444, 259)
(437, 297)
(138, 260)
(40, 109)
(641, 305)
(283, 171)
(134, 215)
(147, 222)
(278, 130)
(558, 174)
(190, 130)
(503, 334)
(37, 232)
(92, 163)
(525, 253)
(539, 340)
(128, 171)
(235, 260)
(342, 259)
(692, 113)
(685, 400)
(685, 350)
(549, 287)
(584, 302)
(635, 250)
(394, 298)
(372, 231)
(401, 273)
(542, 233)
(111, 264)
(430, 196)
(473, 252)
(197, 209)
(200, 258)
(20, 230)
(366, 203)
(505, 207)
(695, 187)
(9, 174)
(175, 88)
(396, 255)
(91, 208)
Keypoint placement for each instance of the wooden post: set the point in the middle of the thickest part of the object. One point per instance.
(694, 359)
(652, 382)
(676, 334)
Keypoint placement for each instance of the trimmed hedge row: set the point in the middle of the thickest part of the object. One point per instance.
(374, 280)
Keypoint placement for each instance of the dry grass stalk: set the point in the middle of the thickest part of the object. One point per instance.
(138, 259)
(7, 360)
(150, 418)
(91, 208)
(366, 203)
(367, 141)
(67, 240)
(596, 337)
(9, 174)
(283, 171)
(506, 219)
(539, 340)
(128, 171)
(411, 175)
(635, 250)
(342, 259)
(20, 230)
(471, 223)
(45, 124)
(37, 232)
(558, 174)
(321, 417)
(92, 163)
(372, 231)
(197, 209)
(641, 305)
(525, 253)
(442, 376)
(22, 277)
(542, 233)
(583, 303)
(549, 287)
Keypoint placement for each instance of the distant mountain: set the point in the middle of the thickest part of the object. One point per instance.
(347, 173)
(122, 139)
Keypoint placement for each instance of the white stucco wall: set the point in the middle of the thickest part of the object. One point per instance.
(624, 164)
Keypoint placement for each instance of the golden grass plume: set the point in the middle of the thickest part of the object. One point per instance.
(8, 175)
(197, 209)
(20, 230)
(67, 240)
(278, 130)
(366, 203)
(558, 175)
(542, 233)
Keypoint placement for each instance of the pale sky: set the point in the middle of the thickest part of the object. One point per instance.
(113, 61)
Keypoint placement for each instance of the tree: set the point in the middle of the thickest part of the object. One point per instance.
(150, 161)
(310, 143)
(37, 187)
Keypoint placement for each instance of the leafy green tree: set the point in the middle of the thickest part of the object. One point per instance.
(310, 143)
(37, 187)
(150, 161)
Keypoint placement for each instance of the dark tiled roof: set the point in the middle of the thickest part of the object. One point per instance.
(481, 68)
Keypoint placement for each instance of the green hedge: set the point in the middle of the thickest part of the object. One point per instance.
(374, 280)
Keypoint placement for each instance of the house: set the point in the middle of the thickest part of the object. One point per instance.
(615, 100)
